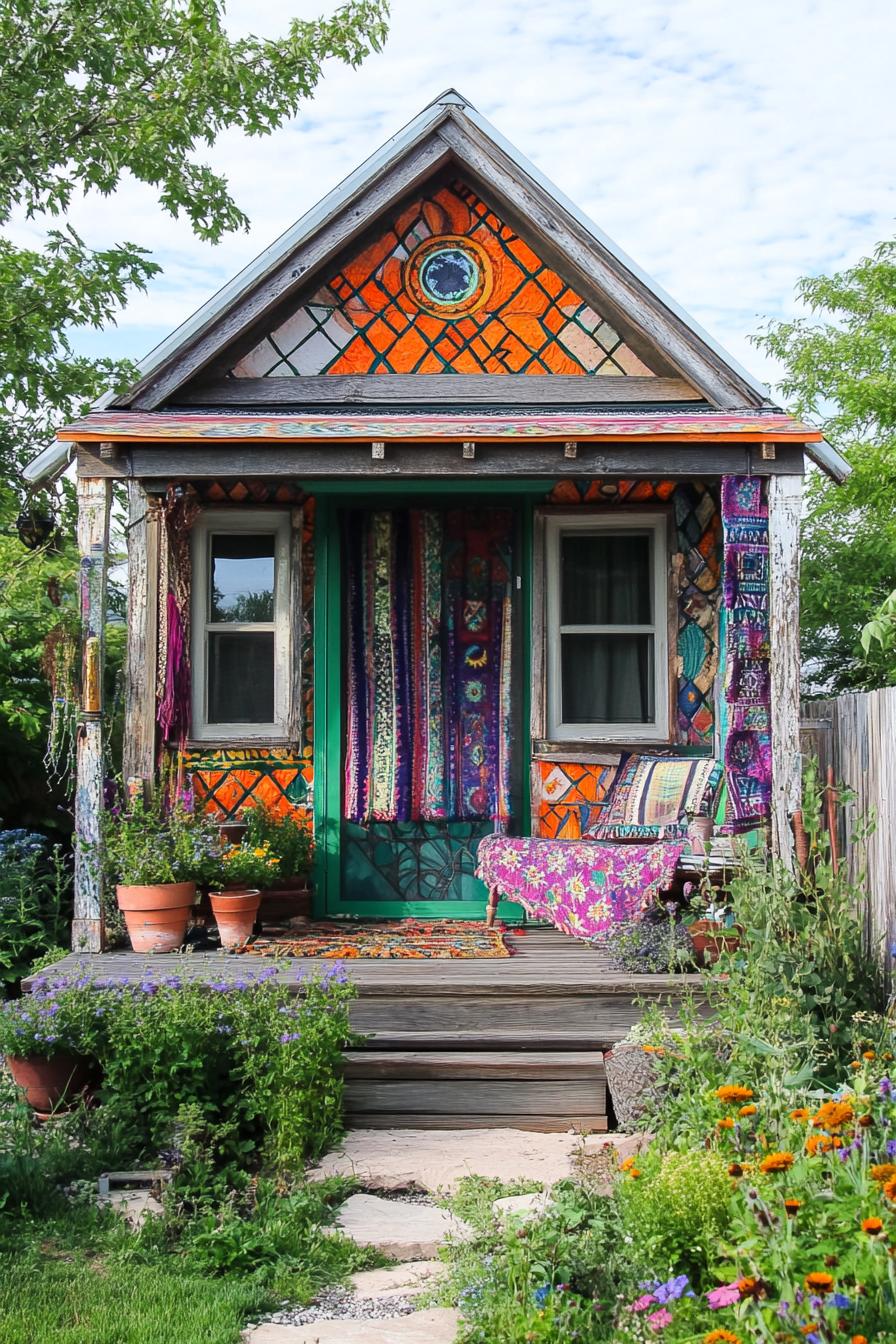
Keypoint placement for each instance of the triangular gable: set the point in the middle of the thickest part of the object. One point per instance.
(446, 286)
(301, 308)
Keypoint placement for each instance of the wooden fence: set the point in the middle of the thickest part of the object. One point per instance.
(856, 734)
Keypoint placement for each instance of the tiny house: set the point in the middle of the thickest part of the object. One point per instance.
(437, 509)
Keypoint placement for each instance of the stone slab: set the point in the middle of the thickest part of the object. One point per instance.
(438, 1325)
(135, 1206)
(438, 1159)
(398, 1230)
(523, 1208)
(406, 1280)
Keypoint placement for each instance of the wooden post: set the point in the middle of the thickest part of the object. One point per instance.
(144, 531)
(785, 494)
(94, 499)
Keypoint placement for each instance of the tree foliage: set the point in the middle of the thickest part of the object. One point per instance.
(840, 369)
(91, 93)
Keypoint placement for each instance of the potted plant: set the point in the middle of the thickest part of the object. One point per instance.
(289, 839)
(244, 869)
(712, 930)
(43, 1037)
(151, 854)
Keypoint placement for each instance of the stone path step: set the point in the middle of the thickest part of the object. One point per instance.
(397, 1229)
(438, 1325)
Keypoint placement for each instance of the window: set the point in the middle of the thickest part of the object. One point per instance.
(606, 627)
(240, 624)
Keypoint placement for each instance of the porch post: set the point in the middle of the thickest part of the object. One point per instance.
(144, 531)
(785, 495)
(94, 499)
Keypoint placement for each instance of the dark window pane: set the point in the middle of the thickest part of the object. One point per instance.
(605, 579)
(242, 577)
(607, 678)
(241, 678)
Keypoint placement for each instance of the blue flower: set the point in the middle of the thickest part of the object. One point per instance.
(542, 1294)
(672, 1289)
(841, 1300)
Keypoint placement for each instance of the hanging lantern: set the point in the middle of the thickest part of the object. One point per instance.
(35, 528)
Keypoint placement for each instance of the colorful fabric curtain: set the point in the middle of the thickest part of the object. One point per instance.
(428, 665)
(747, 690)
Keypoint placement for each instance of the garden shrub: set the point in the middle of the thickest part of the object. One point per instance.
(676, 1205)
(35, 903)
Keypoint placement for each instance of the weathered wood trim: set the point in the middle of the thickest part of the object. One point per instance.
(784, 508)
(601, 277)
(94, 502)
(410, 389)
(144, 533)
(312, 461)
(292, 273)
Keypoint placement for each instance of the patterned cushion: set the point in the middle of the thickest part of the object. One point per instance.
(652, 797)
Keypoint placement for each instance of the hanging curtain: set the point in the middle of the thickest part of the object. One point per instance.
(747, 691)
(428, 665)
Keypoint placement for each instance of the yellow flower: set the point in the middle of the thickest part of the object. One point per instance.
(776, 1162)
(732, 1094)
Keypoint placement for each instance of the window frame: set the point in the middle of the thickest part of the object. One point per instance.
(252, 522)
(626, 523)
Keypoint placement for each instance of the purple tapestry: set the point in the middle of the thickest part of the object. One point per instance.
(748, 744)
(582, 887)
(428, 665)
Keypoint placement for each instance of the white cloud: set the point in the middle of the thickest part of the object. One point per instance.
(729, 148)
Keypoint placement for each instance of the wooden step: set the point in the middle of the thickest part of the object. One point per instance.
(596, 1020)
(416, 1089)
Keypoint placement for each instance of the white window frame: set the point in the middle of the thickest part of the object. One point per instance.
(254, 522)
(623, 524)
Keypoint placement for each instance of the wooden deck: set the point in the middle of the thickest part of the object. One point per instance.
(514, 1041)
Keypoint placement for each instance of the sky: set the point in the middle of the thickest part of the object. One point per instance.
(728, 146)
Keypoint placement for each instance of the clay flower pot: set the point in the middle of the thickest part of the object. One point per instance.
(711, 939)
(48, 1083)
(235, 914)
(157, 916)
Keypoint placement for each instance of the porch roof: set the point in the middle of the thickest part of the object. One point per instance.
(587, 426)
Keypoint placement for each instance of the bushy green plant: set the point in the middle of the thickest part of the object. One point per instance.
(157, 841)
(676, 1204)
(287, 837)
(35, 899)
(245, 865)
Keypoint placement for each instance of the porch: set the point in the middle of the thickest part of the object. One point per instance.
(507, 1042)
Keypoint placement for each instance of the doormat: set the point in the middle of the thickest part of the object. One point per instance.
(396, 940)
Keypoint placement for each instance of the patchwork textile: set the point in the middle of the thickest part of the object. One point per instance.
(388, 940)
(428, 653)
(748, 747)
(582, 887)
(652, 797)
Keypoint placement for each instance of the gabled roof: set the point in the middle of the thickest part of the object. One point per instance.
(449, 130)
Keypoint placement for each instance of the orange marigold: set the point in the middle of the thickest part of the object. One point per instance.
(890, 1190)
(800, 1114)
(721, 1337)
(725, 1123)
(819, 1282)
(855, 1064)
(859, 1339)
(822, 1143)
(776, 1162)
(833, 1115)
(792, 1207)
(873, 1226)
(748, 1110)
(868, 1054)
(750, 1287)
(883, 1171)
(733, 1094)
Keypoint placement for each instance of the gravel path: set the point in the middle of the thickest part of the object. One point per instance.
(339, 1304)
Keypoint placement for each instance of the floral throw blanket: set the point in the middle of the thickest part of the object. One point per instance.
(582, 887)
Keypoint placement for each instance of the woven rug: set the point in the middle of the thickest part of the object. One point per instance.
(400, 939)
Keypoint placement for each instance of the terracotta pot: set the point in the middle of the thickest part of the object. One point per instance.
(292, 900)
(48, 1083)
(711, 939)
(157, 916)
(235, 914)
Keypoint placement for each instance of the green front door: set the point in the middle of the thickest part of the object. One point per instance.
(413, 867)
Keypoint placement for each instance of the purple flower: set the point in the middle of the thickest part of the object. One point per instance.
(290, 1036)
(782, 1308)
(886, 1087)
(672, 1289)
(891, 1147)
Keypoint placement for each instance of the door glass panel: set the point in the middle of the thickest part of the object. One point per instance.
(607, 678)
(241, 677)
(605, 579)
(242, 577)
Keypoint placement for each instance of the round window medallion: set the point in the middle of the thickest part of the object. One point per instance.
(449, 276)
